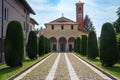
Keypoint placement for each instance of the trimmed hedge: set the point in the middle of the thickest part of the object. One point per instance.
(84, 45)
(14, 44)
(108, 45)
(92, 46)
(32, 45)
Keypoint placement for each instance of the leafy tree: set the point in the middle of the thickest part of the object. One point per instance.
(14, 44)
(118, 12)
(117, 22)
(84, 45)
(108, 45)
(88, 25)
(92, 47)
(32, 45)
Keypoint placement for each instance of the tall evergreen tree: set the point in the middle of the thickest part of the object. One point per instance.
(32, 45)
(108, 45)
(88, 25)
(75, 45)
(41, 45)
(92, 46)
(84, 45)
(78, 47)
(14, 44)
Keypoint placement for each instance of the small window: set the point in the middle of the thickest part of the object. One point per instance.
(24, 26)
(62, 27)
(52, 27)
(72, 27)
(6, 14)
(24, 10)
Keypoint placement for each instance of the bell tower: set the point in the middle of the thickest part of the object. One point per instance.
(80, 15)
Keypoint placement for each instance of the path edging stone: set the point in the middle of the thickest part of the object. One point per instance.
(106, 73)
(16, 75)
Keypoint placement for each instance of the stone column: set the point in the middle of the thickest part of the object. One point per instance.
(67, 45)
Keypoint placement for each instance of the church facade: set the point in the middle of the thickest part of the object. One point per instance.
(62, 31)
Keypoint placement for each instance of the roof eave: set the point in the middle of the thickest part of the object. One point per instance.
(25, 3)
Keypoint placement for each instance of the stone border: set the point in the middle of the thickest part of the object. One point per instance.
(16, 75)
(106, 73)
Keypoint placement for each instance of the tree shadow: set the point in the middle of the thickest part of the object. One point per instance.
(8, 69)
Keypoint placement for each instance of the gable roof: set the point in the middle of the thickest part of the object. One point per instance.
(62, 20)
(27, 6)
(33, 20)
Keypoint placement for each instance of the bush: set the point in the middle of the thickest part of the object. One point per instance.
(92, 46)
(32, 45)
(108, 45)
(78, 45)
(41, 45)
(14, 44)
(84, 45)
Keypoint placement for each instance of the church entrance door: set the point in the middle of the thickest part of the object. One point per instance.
(62, 47)
(62, 44)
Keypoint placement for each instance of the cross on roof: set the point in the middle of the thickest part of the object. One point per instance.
(62, 14)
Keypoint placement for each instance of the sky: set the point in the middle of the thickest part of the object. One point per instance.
(99, 11)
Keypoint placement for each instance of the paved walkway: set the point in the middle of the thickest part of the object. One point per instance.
(64, 66)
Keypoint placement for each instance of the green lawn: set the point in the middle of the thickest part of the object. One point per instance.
(7, 72)
(115, 70)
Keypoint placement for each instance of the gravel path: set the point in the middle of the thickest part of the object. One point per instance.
(62, 70)
(42, 70)
(83, 72)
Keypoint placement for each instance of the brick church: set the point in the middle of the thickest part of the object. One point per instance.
(62, 31)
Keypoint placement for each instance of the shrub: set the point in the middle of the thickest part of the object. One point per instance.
(108, 45)
(14, 44)
(84, 45)
(41, 45)
(92, 46)
(32, 45)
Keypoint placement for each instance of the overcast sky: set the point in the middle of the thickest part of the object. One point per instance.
(100, 11)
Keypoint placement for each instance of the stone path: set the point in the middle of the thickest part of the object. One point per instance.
(64, 66)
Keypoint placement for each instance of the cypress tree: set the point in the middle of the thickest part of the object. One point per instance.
(41, 45)
(108, 45)
(14, 44)
(84, 45)
(92, 46)
(32, 45)
(78, 45)
(75, 45)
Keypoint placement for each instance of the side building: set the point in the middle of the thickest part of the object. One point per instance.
(11, 10)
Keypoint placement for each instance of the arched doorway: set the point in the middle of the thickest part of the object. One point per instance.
(53, 42)
(71, 43)
(62, 44)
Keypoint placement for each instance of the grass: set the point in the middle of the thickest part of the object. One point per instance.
(6, 72)
(115, 70)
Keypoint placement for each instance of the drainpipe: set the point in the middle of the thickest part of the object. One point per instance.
(2, 32)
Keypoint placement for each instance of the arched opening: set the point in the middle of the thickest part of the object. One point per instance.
(62, 44)
(53, 42)
(71, 43)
